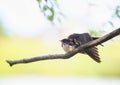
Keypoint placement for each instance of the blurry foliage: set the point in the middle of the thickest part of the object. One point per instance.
(117, 12)
(2, 32)
(50, 9)
(96, 33)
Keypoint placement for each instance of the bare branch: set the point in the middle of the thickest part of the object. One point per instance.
(70, 54)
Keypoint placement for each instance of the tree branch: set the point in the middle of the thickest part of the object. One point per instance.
(70, 54)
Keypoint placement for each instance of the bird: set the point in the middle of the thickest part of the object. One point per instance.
(83, 38)
(75, 40)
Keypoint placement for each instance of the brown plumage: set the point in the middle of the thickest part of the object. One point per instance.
(80, 39)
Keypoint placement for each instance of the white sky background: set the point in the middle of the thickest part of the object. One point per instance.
(23, 17)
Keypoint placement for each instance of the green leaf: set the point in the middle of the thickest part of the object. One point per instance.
(45, 7)
(50, 18)
(52, 11)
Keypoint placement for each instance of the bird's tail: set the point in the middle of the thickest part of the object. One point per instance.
(93, 53)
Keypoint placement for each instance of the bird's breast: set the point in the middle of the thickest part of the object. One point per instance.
(68, 48)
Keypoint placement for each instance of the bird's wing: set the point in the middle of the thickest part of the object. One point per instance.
(84, 38)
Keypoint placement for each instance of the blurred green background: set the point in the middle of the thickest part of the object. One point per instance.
(20, 39)
(79, 65)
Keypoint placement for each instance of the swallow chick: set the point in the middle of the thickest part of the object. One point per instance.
(80, 39)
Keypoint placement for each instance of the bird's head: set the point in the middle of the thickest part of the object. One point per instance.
(67, 45)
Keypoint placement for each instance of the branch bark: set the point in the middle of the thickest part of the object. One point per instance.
(70, 54)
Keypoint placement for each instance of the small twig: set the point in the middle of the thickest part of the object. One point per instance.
(70, 54)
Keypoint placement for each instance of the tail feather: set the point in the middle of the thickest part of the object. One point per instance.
(93, 53)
